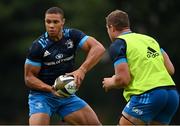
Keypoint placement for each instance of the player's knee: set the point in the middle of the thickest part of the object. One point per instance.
(124, 121)
(39, 119)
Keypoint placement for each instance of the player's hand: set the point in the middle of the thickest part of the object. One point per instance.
(53, 91)
(108, 83)
(79, 75)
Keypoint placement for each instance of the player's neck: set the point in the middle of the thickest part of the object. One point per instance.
(124, 31)
(57, 38)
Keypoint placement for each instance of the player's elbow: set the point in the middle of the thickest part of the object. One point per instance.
(100, 49)
(171, 71)
(27, 80)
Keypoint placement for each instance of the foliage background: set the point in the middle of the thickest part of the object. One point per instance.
(23, 21)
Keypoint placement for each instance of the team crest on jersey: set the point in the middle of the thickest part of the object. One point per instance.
(69, 44)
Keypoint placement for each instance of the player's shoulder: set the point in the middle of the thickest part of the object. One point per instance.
(69, 32)
(118, 43)
(42, 40)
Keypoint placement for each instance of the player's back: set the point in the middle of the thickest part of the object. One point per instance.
(146, 64)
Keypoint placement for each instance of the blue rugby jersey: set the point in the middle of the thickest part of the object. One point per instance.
(55, 58)
(117, 51)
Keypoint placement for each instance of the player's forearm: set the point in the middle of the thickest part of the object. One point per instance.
(34, 83)
(93, 57)
(120, 81)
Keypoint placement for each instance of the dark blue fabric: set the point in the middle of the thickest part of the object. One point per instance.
(55, 58)
(117, 50)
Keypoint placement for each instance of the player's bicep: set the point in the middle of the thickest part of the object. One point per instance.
(30, 74)
(35, 54)
(121, 67)
(90, 43)
(118, 56)
(79, 38)
(31, 68)
(83, 44)
(122, 70)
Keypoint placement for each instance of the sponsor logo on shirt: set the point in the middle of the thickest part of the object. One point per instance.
(59, 61)
(151, 52)
(38, 105)
(137, 111)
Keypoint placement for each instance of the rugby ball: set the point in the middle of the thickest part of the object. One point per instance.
(65, 85)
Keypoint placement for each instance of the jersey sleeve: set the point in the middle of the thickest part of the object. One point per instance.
(34, 56)
(79, 37)
(162, 50)
(117, 52)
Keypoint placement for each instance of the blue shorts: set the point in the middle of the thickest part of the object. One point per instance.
(157, 105)
(42, 102)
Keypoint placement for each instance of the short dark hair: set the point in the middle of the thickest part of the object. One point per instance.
(119, 19)
(55, 10)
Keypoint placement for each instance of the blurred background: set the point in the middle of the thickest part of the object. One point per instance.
(21, 22)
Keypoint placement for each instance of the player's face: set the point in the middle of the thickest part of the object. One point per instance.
(54, 24)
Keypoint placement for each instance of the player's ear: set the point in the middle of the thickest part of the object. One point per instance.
(63, 20)
(113, 28)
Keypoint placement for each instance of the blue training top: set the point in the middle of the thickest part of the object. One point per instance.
(55, 58)
(117, 51)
